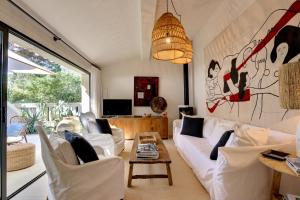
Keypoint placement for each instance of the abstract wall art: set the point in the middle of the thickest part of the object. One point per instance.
(242, 62)
(145, 89)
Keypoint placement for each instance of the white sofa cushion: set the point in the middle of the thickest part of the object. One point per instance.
(92, 127)
(117, 135)
(105, 141)
(245, 135)
(277, 137)
(63, 150)
(209, 125)
(196, 152)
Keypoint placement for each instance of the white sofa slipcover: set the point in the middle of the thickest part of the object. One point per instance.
(106, 144)
(97, 180)
(88, 120)
(102, 143)
(237, 173)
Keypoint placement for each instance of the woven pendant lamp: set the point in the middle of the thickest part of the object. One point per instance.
(188, 54)
(168, 38)
(289, 85)
(289, 92)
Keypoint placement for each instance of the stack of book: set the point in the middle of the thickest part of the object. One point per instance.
(291, 197)
(294, 164)
(147, 151)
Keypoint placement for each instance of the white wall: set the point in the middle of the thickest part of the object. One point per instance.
(118, 83)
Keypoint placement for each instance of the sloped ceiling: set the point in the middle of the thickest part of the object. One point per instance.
(109, 31)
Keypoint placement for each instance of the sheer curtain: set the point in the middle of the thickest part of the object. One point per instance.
(96, 88)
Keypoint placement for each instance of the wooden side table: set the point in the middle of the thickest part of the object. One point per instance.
(279, 168)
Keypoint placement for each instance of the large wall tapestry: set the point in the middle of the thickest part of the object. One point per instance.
(243, 61)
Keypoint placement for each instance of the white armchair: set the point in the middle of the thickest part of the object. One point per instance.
(88, 121)
(97, 180)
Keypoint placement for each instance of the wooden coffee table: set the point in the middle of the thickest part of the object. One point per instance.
(164, 158)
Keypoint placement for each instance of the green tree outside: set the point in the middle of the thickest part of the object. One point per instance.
(33, 88)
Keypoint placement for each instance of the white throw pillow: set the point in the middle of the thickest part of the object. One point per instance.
(209, 126)
(63, 150)
(245, 135)
(93, 127)
(211, 123)
(217, 133)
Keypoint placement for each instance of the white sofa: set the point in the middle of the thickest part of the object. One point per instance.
(236, 174)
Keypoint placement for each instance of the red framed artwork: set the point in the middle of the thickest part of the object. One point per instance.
(145, 89)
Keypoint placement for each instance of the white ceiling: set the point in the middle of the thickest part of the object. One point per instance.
(109, 31)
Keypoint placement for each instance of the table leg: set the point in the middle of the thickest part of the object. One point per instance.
(169, 174)
(130, 175)
(275, 183)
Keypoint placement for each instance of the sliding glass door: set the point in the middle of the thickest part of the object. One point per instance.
(40, 87)
(3, 95)
(36, 85)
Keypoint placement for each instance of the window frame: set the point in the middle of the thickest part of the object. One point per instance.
(3, 107)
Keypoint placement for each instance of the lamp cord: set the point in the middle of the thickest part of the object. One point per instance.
(175, 10)
(167, 5)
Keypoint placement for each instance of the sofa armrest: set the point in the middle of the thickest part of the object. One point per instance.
(239, 174)
(118, 132)
(102, 179)
(177, 125)
(176, 128)
(101, 141)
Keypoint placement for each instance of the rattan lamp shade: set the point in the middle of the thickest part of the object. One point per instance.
(289, 85)
(168, 38)
(188, 54)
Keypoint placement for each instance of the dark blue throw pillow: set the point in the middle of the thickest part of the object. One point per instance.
(104, 126)
(222, 142)
(83, 149)
(192, 126)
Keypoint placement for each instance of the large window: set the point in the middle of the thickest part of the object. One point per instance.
(41, 86)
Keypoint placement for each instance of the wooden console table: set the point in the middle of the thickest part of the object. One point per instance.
(134, 125)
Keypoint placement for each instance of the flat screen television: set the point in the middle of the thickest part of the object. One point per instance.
(117, 107)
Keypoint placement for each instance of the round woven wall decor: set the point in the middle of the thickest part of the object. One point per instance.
(158, 104)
